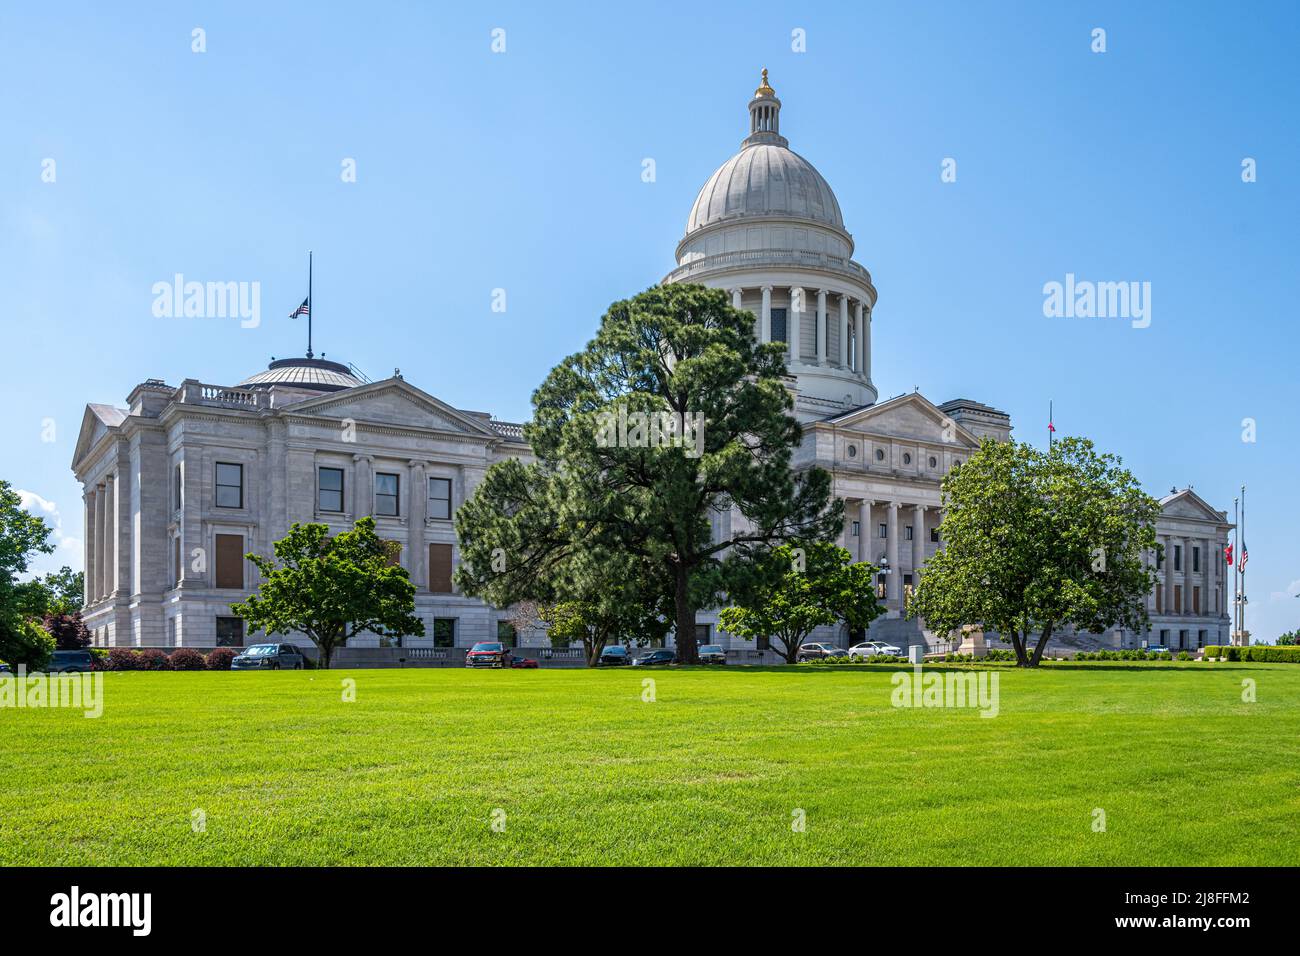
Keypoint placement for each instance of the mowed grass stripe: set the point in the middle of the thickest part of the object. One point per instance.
(710, 773)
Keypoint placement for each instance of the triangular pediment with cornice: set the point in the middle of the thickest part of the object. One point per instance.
(95, 424)
(1188, 504)
(392, 401)
(909, 417)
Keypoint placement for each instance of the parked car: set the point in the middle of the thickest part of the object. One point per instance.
(1157, 649)
(487, 654)
(271, 657)
(524, 663)
(69, 662)
(871, 648)
(614, 656)
(819, 651)
(656, 657)
(712, 654)
(4, 668)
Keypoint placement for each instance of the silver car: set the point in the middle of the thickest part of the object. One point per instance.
(871, 648)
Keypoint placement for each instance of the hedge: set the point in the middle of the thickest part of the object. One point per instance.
(1260, 653)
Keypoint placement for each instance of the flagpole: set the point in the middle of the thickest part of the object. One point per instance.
(1236, 550)
(1051, 430)
(1242, 563)
(309, 303)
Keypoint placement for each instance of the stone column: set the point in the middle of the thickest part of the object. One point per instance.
(735, 299)
(1168, 602)
(865, 345)
(1150, 559)
(418, 511)
(793, 325)
(101, 496)
(363, 486)
(864, 531)
(918, 542)
(893, 580)
(844, 330)
(1187, 576)
(821, 326)
(110, 535)
(858, 331)
(1207, 570)
(767, 313)
(88, 546)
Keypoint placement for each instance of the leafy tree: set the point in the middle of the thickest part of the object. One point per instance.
(669, 418)
(815, 584)
(1289, 639)
(331, 588)
(60, 592)
(68, 631)
(1037, 541)
(24, 641)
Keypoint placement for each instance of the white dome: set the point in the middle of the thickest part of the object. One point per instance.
(313, 373)
(765, 179)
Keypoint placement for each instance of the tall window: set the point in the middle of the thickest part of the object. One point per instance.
(934, 535)
(505, 632)
(230, 485)
(444, 632)
(230, 632)
(230, 561)
(856, 529)
(388, 494)
(440, 498)
(882, 530)
(907, 532)
(1196, 560)
(329, 489)
(778, 325)
(440, 568)
(1178, 557)
(176, 488)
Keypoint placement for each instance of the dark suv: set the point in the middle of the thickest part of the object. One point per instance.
(70, 662)
(614, 656)
(272, 657)
(656, 657)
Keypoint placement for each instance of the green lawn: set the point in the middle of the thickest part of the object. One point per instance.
(709, 773)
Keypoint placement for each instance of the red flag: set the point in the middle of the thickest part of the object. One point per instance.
(1051, 427)
(1227, 554)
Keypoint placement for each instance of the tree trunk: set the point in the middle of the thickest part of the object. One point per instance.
(1022, 659)
(687, 651)
(1042, 642)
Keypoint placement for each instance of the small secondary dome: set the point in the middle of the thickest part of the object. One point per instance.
(313, 373)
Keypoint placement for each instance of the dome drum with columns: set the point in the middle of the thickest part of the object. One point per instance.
(767, 228)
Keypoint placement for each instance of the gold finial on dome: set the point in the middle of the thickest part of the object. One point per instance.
(765, 89)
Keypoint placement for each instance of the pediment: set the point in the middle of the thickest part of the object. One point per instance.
(95, 424)
(909, 417)
(393, 402)
(1188, 504)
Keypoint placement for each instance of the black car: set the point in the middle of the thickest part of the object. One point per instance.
(614, 657)
(656, 657)
(70, 662)
(272, 657)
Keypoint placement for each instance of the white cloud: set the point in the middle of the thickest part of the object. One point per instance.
(67, 550)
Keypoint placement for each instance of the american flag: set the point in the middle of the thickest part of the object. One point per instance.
(304, 309)
(1244, 555)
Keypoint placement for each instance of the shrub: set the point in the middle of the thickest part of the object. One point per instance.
(24, 641)
(186, 659)
(1267, 653)
(69, 633)
(122, 659)
(1184, 656)
(219, 659)
(152, 659)
(1232, 653)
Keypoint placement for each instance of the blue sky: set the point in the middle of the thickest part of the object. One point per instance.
(522, 171)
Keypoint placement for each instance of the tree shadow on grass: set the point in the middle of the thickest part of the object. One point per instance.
(1187, 667)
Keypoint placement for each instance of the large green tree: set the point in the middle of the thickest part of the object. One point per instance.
(1037, 541)
(814, 584)
(22, 537)
(645, 441)
(331, 588)
(58, 593)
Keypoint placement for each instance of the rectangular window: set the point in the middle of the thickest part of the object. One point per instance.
(394, 549)
(762, 643)
(1178, 557)
(1160, 560)
(1160, 604)
(778, 325)
(388, 493)
(934, 535)
(856, 529)
(230, 561)
(176, 560)
(440, 498)
(444, 632)
(230, 485)
(171, 632)
(177, 498)
(1196, 600)
(703, 632)
(1177, 607)
(230, 632)
(505, 632)
(1196, 560)
(907, 532)
(440, 568)
(329, 489)
(882, 530)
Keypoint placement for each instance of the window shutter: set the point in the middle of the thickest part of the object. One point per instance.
(440, 568)
(230, 560)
